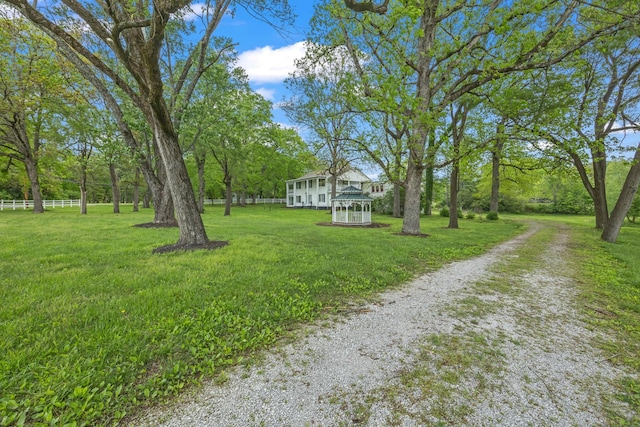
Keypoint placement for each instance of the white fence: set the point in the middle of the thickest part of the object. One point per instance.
(28, 204)
(248, 201)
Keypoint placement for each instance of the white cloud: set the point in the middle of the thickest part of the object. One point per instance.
(269, 65)
(267, 94)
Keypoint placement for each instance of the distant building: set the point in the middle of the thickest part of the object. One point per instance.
(313, 190)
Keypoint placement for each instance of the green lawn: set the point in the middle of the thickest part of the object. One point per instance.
(92, 324)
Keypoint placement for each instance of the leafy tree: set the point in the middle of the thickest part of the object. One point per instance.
(136, 34)
(580, 118)
(450, 50)
(32, 93)
(320, 108)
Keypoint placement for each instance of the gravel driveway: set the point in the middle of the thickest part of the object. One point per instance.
(453, 347)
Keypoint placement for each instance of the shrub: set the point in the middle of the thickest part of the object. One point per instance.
(492, 216)
(444, 212)
(460, 214)
(470, 215)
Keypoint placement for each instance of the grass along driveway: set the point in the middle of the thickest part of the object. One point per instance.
(93, 325)
(495, 340)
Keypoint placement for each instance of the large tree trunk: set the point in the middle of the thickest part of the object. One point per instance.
(629, 188)
(192, 230)
(115, 190)
(411, 221)
(32, 172)
(397, 206)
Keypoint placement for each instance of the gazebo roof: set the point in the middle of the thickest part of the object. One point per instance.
(352, 193)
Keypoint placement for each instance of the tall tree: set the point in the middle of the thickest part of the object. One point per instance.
(32, 93)
(451, 49)
(588, 103)
(135, 34)
(318, 105)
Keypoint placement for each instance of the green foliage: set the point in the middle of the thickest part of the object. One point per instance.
(444, 212)
(470, 215)
(94, 324)
(634, 210)
(492, 216)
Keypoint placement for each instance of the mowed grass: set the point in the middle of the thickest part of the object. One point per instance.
(93, 325)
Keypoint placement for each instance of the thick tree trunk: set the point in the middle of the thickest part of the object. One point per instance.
(115, 190)
(32, 172)
(453, 198)
(192, 230)
(629, 188)
(411, 221)
(397, 205)
(146, 202)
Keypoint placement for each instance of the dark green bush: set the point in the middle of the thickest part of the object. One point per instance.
(444, 212)
(492, 216)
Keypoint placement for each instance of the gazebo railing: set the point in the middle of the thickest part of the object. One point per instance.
(352, 217)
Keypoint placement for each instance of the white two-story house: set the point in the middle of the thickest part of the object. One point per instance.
(313, 190)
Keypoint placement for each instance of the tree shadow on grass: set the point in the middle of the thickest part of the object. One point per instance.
(208, 246)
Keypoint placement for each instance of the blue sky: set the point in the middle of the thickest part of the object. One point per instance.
(266, 54)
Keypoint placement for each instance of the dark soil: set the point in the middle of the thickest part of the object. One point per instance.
(209, 246)
(372, 225)
(412, 235)
(157, 225)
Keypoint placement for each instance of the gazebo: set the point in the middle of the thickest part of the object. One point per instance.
(351, 207)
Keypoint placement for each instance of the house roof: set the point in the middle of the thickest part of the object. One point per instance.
(350, 175)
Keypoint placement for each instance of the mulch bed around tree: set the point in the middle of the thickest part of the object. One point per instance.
(412, 235)
(372, 225)
(209, 246)
(157, 225)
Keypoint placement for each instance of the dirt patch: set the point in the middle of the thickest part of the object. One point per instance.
(372, 225)
(157, 225)
(209, 246)
(411, 235)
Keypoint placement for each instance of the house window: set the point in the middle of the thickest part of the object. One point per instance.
(343, 183)
(321, 198)
(298, 185)
(290, 200)
(291, 186)
(310, 184)
(298, 199)
(381, 187)
(321, 182)
(310, 200)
